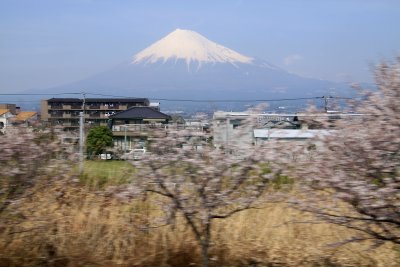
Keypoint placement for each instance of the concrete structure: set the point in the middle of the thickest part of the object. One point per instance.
(246, 129)
(11, 107)
(226, 130)
(264, 135)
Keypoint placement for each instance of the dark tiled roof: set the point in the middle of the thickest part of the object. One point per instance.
(118, 100)
(140, 113)
(64, 100)
(97, 100)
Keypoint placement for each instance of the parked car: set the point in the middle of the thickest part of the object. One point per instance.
(106, 156)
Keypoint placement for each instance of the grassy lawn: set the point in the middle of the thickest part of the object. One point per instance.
(107, 172)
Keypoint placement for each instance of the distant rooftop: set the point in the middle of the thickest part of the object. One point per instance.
(224, 114)
(3, 111)
(140, 113)
(24, 115)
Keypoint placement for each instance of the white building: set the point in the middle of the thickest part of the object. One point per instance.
(237, 127)
(232, 129)
(264, 135)
(5, 119)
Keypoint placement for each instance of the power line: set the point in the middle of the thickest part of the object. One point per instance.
(237, 100)
(24, 94)
(227, 100)
(14, 100)
(180, 100)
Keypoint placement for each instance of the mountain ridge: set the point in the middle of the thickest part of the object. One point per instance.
(189, 46)
(176, 73)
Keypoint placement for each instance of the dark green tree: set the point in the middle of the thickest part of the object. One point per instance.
(97, 140)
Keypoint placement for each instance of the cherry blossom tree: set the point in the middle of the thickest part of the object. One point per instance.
(26, 158)
(201, 185)
(348, 177)
(359, 164)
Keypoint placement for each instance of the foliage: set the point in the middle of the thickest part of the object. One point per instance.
(349, 178)
(208, 196)
(359, 163)
(98, 139)
(201, 185)
(27, 158)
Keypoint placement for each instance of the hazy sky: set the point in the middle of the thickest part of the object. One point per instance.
(44, 43)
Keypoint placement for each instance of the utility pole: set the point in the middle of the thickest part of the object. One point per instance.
(81, 135)
(326, 102)
(125, 138)
(227, 132)
(81, 141)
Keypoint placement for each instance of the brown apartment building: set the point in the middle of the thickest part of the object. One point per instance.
(65, 111)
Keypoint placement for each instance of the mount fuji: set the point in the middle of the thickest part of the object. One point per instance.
(186, 65)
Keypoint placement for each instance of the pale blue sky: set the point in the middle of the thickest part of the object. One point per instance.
(45, 43)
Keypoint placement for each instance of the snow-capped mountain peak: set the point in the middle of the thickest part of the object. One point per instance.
(191, 47)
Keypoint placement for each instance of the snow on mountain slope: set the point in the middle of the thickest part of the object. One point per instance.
(163, 71)
(191, 47)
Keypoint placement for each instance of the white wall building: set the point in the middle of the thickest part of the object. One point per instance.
(5, 119)
(232, 129)
(264, 135)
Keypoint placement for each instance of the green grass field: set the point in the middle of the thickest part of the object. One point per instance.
(107, 172)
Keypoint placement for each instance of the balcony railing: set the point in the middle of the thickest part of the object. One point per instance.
(94, 107)
(150, 127)
(55, 107)
(95, 115)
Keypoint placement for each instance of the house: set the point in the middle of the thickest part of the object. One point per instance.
(27, 118)
(132, 128)
(65, 111)
(5, 119)
(139, 115)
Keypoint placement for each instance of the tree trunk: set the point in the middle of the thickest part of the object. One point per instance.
(205, 244)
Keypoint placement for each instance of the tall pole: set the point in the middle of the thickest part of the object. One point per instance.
(326, 103)
(82, 134)
(81, 141)
(227, 133)
(125, 139)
